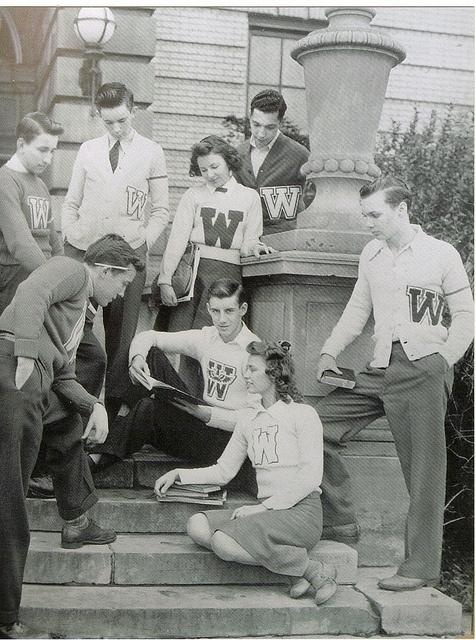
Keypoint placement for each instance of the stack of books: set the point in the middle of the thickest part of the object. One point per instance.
(194, 493)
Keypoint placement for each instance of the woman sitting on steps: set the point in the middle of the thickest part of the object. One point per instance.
(283, 440)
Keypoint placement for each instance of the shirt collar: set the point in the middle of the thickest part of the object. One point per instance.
(228, 185)
(413, 244)
(268, 147)
(16, 164)
(276, 409)
(243, 339)
(123, 143)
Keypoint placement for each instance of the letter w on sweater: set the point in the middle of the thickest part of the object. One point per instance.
(219, 229)
(281, 200)
(265, 445)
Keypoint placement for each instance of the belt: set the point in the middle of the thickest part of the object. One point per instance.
(7, 335)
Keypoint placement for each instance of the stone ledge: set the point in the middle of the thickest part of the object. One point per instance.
(192, 612)
(423, 612)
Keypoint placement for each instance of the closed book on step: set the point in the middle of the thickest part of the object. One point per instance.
(195, 494)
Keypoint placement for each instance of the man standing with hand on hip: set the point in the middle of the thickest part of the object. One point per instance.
(405, 279)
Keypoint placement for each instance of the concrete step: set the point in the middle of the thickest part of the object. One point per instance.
(193, 611)
(379, 492)
(129, 511)
(173, 559)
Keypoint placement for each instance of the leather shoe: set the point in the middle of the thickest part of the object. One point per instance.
(41, 487)
(347, 533)
(73, 538)
(19, 630)
(301, 586)
(402, 583)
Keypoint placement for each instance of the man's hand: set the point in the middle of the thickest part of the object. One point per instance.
(24, 370)
(200, 411)
(167, 295)
(166, 481)
(326, 363)
(139, 371)
(97, 428)
(247, 510)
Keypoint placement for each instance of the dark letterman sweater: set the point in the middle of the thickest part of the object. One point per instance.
(46, 317)
(279, 182)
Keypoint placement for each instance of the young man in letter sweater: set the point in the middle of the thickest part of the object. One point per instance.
(405, 279)
(40, 398)
(113, 178)
(195, 432)
(272, 163)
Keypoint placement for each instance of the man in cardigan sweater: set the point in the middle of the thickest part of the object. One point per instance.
(272, 163)
(41, 398)
(113, 177)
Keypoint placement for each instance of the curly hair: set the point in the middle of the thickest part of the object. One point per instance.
(214, 144)
(279, 368)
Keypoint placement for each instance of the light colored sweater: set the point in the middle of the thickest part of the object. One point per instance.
(285, 446)
(100, 201)
(222, 363)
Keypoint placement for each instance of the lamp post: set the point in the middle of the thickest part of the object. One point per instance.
(94, 26)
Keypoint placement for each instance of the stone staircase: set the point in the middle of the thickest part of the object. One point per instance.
(154, 582)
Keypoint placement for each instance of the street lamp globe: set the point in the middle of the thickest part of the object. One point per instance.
(94, 26)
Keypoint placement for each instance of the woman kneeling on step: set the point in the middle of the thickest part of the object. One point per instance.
(283, 439)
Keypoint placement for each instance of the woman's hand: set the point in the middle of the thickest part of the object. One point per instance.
(166, 481)
(139, 371)
(200, 411)
(248, 510)
(167, 295)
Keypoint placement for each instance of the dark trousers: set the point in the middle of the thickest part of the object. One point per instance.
(26, 416)
(120, 319)
(413, 395)
(161, 424)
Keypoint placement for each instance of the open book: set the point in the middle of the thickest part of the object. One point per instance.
(193, 493)
(169, 393)
(345, 379)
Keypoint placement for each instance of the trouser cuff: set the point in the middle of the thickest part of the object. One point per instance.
(71, 514)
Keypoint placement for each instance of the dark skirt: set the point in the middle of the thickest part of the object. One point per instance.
(194, 314)
(277, 539)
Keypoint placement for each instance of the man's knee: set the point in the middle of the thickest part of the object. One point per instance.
(199, 530)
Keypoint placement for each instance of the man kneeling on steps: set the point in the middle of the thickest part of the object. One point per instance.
(40, 397)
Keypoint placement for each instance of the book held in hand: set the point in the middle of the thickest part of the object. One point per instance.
(193, 493)
(169, 393)
(345, 379)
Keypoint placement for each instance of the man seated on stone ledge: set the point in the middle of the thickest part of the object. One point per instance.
(198, 433)
(405, 279)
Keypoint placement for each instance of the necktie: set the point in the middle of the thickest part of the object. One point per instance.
(114, 155)
(221, 189)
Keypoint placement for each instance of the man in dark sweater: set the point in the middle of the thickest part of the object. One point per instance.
(28, 237)
(272, 163)
(40, 398)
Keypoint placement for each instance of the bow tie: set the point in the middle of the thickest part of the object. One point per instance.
(221, 189)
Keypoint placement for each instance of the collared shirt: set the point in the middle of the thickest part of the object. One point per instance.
(258, 154)
(406, 293)
(223, 365)
(15, 164)
(124, 144)
(284, 444)
(228, 184)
